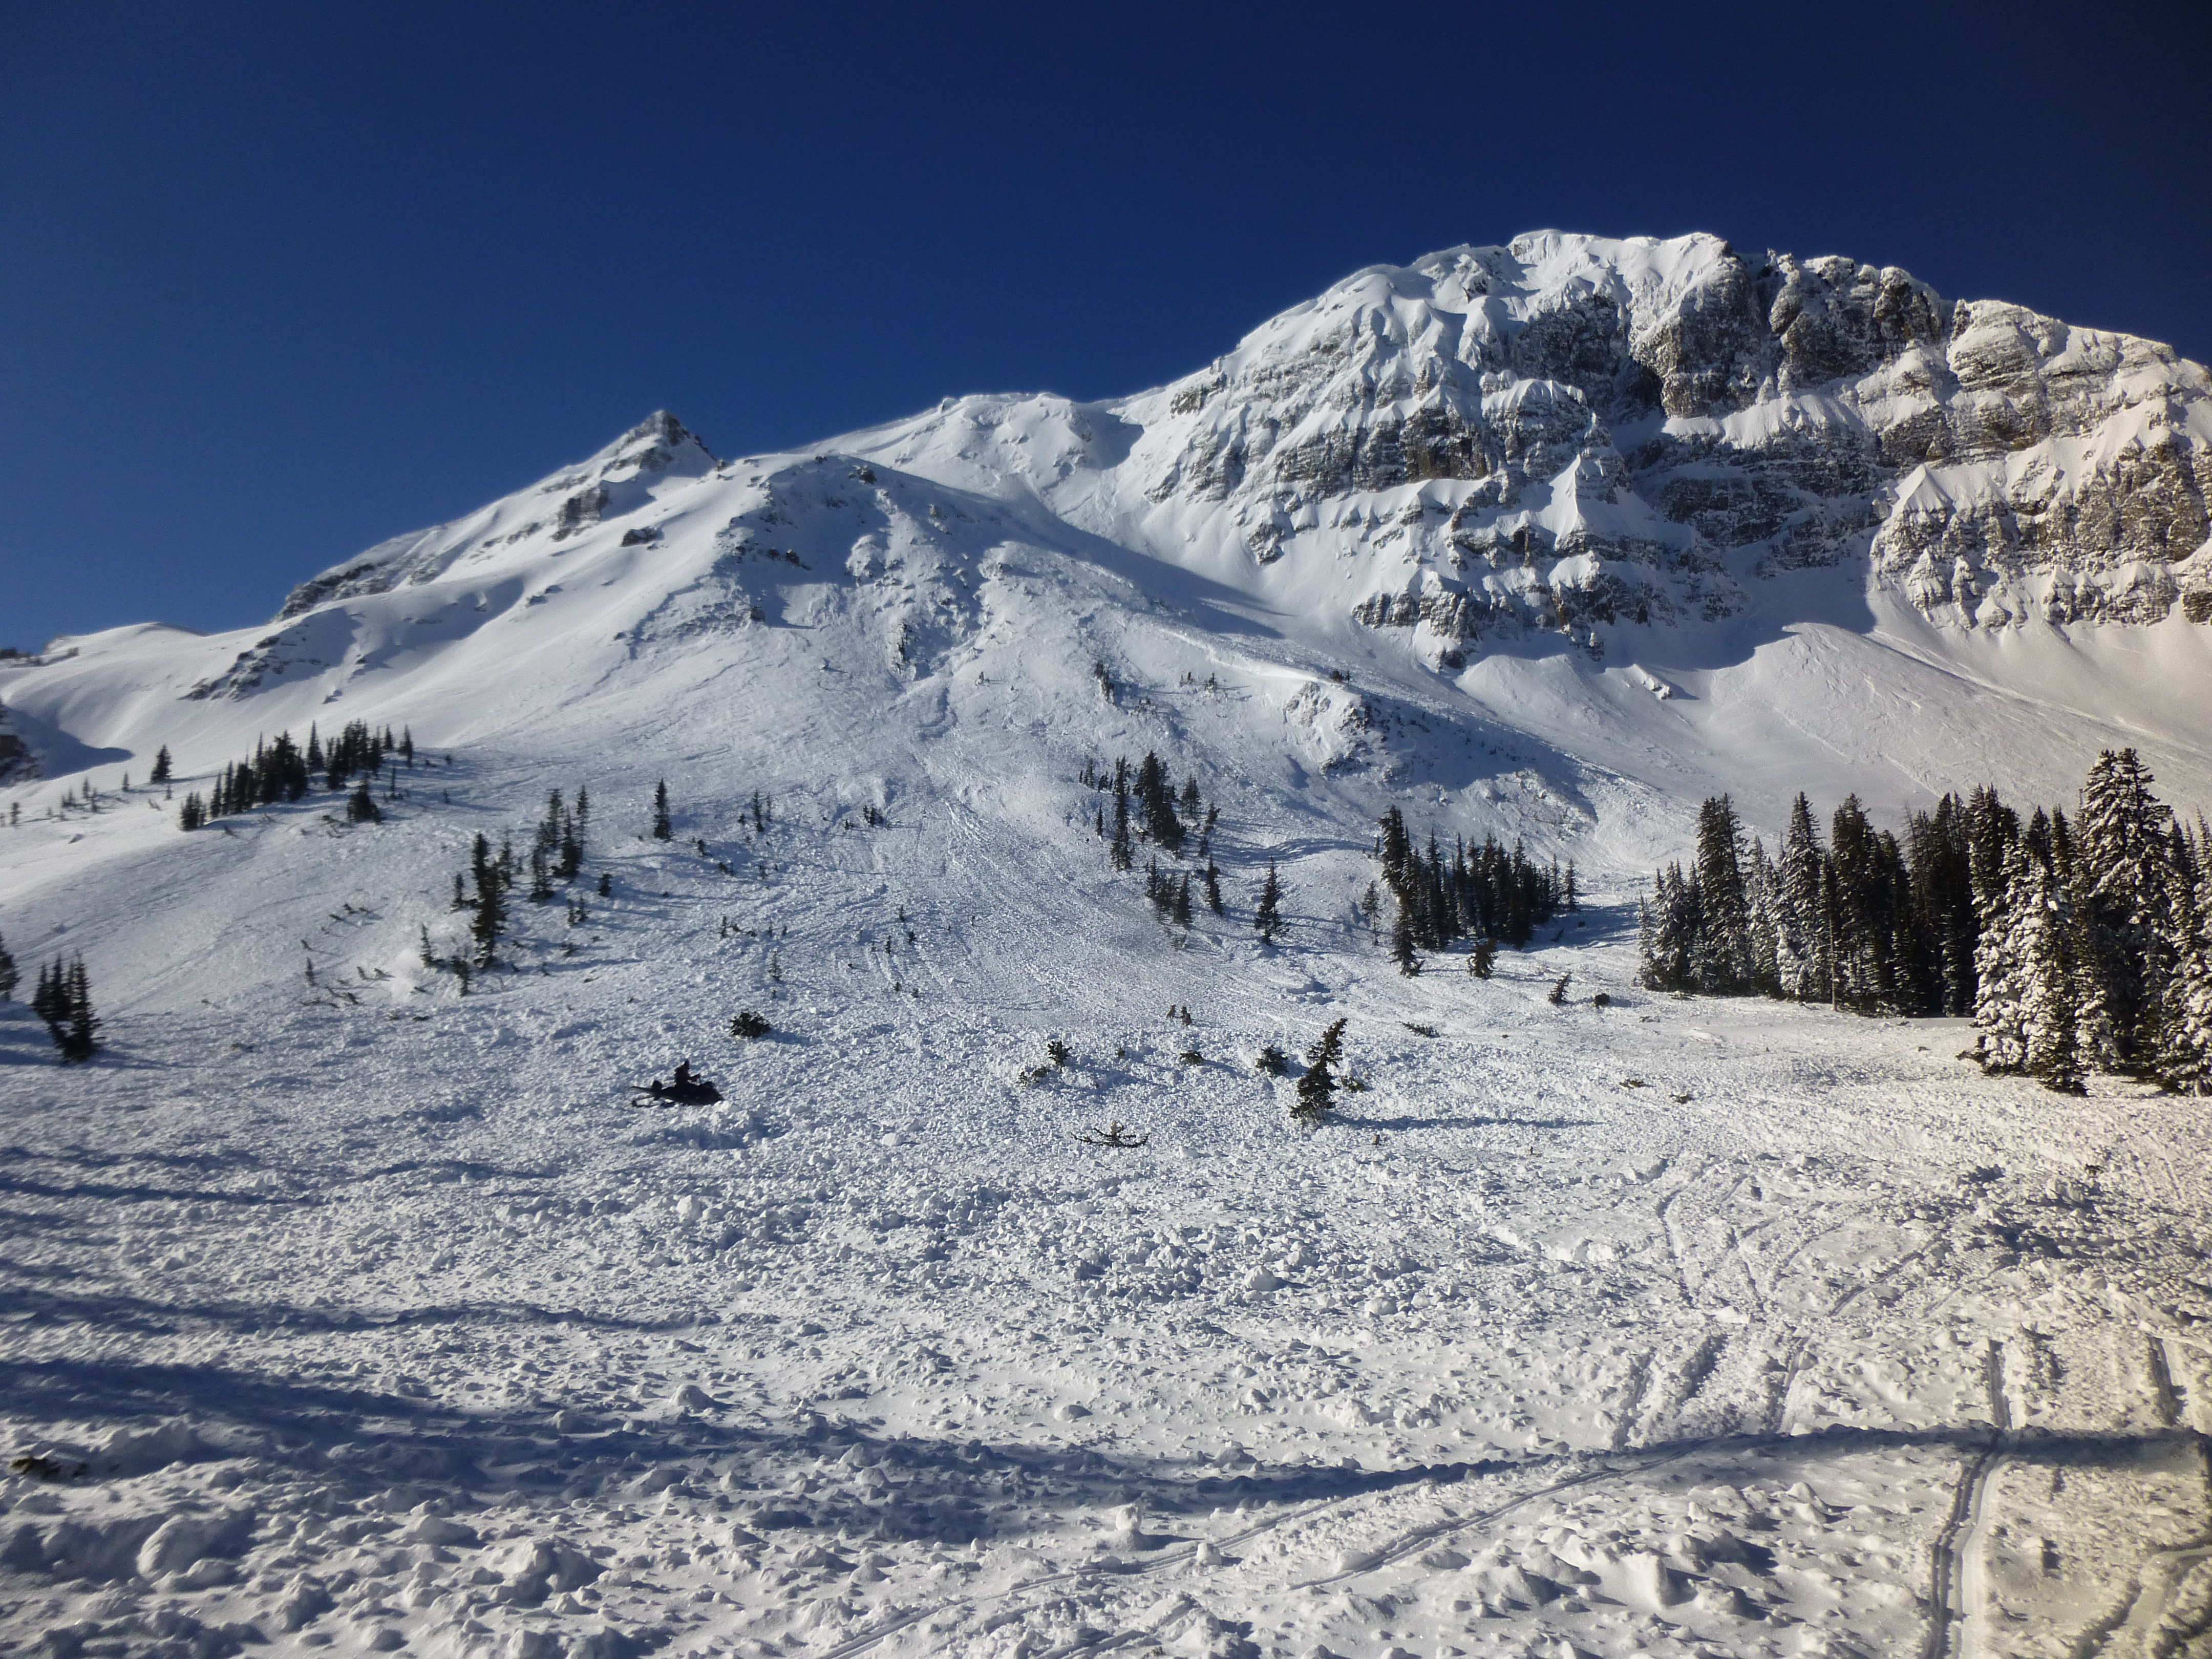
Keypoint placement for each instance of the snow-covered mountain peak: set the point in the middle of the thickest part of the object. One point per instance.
(653, 457)
(1652, 429)
(659, 443)
(1554, 480)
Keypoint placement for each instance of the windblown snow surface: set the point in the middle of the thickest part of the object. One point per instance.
(382, 1321)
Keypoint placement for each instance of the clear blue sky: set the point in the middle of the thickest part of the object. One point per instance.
(279, 281)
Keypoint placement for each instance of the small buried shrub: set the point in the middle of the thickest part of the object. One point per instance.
(748, 1024)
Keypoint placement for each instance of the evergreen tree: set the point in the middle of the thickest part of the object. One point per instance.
(80, 1037)
(193, 814)
(8, 978)
(1317, 1088)
(1158, 891)
(2050, 1015)
(489, 920)
(662, 829)
(1483, 960)
(569, 861)
(1156, 799)
(1182, 902)
(2185, 1023)
(47, 999)
(362, 807)
(1212, 887)
(2000, 966)
(1762, 883)
(1667, 949)
(2122, 868)
(1119, 853)
(1266, 920)
(64, 1002)
(1401, 944)
(1722, 956)
(161, 772)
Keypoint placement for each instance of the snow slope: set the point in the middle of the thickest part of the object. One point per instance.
(382, 1320)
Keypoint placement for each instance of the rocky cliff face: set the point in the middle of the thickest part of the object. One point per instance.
(1569, 431)
(17, 763)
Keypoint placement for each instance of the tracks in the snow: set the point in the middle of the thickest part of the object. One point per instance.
(1958, 1589)
(1181, 1557)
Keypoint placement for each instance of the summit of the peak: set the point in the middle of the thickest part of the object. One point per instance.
(656, 442)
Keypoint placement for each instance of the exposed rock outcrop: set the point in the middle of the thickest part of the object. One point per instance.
(1571, 430)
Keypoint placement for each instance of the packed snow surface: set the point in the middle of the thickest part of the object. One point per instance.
(343, 1310)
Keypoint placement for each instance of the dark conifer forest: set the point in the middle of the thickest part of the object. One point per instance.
(2075, 944)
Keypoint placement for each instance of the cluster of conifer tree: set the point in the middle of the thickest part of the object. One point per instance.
(280, 770)
(64, 1000)
(556, 854)
(557, 849)
(1487, 892)
(1146, 806)
(2076, 945)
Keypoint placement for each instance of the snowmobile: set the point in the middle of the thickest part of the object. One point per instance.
(682, 1089)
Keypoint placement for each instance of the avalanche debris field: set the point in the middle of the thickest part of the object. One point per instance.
(368, 1319)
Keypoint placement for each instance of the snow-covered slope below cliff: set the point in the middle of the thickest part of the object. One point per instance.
(1653, 1327)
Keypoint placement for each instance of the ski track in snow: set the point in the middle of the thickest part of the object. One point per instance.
(456, 1352)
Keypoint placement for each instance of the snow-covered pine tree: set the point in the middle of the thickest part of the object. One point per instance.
(2049, 1005)
(1999, 974)
(1667, 952)
(1182, 902)
(9, 977)
(1721, 957)
(2121, 876)
(2096, 1043)
(1213, 887)
(2185, 1025)
(662, 829)
(161, 772)
(1762, 884)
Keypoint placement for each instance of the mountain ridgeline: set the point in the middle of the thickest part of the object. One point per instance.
(1518, 551)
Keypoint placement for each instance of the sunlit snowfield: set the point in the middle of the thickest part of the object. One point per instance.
(382, 1320)
(1667, 1328)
